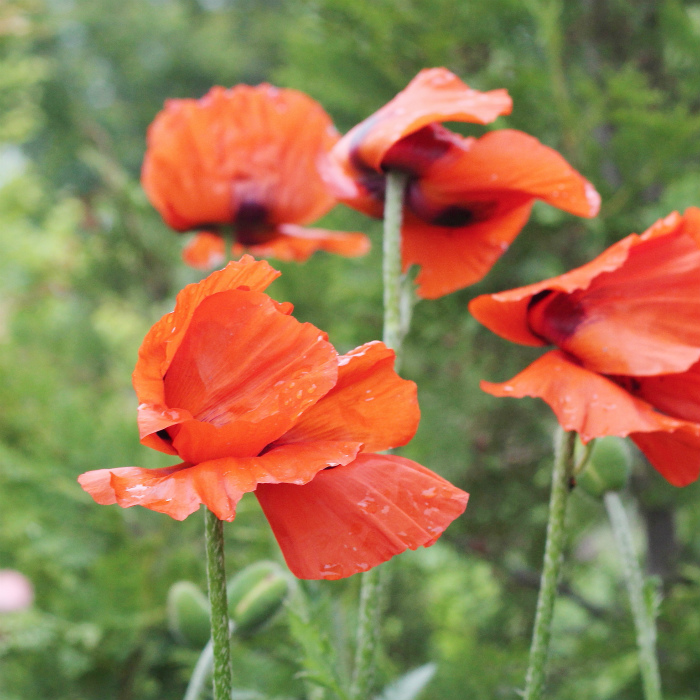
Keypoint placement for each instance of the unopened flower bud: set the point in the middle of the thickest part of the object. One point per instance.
(608, 467)
(255, 594)
(188, 614)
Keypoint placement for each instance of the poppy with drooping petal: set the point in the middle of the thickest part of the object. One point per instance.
(627, 331)
(466, 199)
(248, 397)
(247, 158)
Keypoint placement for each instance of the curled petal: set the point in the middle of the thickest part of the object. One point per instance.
(354, 517)
(584, 401)
(219, 484)
(507, 161)
(297, 243)
(452, 258)
(275, 368)
(434, 95)
(370, 403)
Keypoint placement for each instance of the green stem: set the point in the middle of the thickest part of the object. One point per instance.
(391, 268)
(220, 634)
(643, 617)
(539, 649)
(368, 625)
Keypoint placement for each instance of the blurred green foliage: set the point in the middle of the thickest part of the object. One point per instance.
(86, 266)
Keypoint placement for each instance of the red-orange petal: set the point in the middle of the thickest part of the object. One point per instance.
(590, 404)
(633, 311)
(453, 258)
(205, 251)
(245, 371)
(434, 95)
(370, 403)
(676, 456)
(677, 395)
(247, 146)
(506, 162)
(352, 518)
(297, 243)
(219, 484)
(164, 338)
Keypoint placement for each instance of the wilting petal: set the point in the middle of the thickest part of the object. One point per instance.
(370, 403)
(354, 517)
(434, 95)
(219, 484)
(452, 258)
(205, 251)
(245, 371)
(503, 162)
(584, 401)
(298, 243)
(233, 150)
(675, 455)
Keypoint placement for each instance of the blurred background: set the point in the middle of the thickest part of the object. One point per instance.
(86, 266)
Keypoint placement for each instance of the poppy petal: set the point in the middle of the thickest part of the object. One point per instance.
(205, 251)
(370, 403)
(297, 243)
(209, 159)
(584, 401)
(452, 258)
(434, 95)
(677, 395)
(354, 517)
(274, 369)
(506, 313)
(640, 319)
(655, 277)
(219, 484)
(508, 161)
(164, 338)
(676, 456)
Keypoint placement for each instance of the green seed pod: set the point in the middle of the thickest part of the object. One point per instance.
(255, 595)
(188, 614)
(608, 467)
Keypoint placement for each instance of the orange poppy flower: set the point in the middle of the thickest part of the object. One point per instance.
(248, 158)
(466, 198)
(627, 331)
(250, 399)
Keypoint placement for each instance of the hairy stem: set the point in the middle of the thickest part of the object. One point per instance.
(539, 649)
(220, 634)
(368, 626)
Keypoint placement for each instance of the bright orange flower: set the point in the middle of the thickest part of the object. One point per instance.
(466, 198)
(627, 331)
(248, 158)
(252, 400)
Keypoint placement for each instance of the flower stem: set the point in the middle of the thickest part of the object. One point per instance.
(391, 268)
(220, 634)
(643, 617)
(539, 649)
(368, 625)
